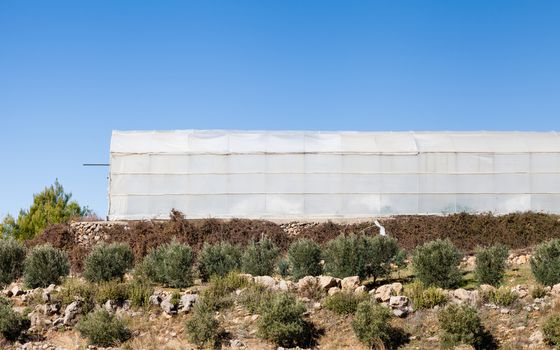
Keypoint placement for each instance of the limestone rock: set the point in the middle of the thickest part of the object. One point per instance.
(385, 292)
(71, 312)
(266, 281)
(327, 282)
(349, 284)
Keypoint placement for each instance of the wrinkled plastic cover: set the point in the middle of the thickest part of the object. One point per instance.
(306, 175)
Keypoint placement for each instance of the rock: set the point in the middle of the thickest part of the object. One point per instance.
(16, 291)
(285, 286)
(236, 344)
(349, 284)
(327, 282)
(333, 290)
(155, 299)
(317, 306)
(460, 296)
(486, 288)
(360, 290)
(110, 306)
(399, 301)
(536, 337)
(399, 313)
(266, 281)
(71, 312)
(168, 307)
(187, 301)
(556, 289)
(305, 281)
(521, 290)
(385, 292)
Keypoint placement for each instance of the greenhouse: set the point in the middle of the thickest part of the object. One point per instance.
(308, 175)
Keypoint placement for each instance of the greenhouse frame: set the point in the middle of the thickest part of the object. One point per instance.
(309, 175)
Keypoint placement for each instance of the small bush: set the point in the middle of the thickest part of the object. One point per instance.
(423, 297)
(538, 291)
(254, 296)
(491, 264)
(545, 263)
(107, 262)
(360, 255)
(112, 290)
(45, 265)
(282, 321)
(203, 329)
(12, 324)
(75, 289)
(436, 264)
(460, 324)
(103, 329)
(139, 292)
(171, 265)
(283, 268)
(304, 256)
(371, 324)
(551, 330)
(502, 296)
(12, 255)
(259, 258)
(218, 293)
(218, 259)
(344, 303)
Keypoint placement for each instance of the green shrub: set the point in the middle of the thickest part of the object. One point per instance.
(12, 255)
(139, 292)
(551, 330)
(254, 296)
(282, 321)
(12, 324)
(45, 265)
(545, 263)
(491, 264)
(218, 293)
(460, 324)
(218, 259)
(112, 290)
(502, 296)
(436, 263)
(170, 264)
(259, 257)
(538, 291)
(360, 255)
(304, 256)
(107, 262)
(103, 329)
(203, 329)
(423, 297)
(344, 303)
(283, 268)
(371, 324)
(75, 289)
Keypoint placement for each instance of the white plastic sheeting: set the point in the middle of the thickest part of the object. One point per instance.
(304, 175)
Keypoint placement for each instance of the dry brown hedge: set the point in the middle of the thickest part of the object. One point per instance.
(516, 231)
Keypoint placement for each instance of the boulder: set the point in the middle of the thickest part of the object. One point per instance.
(187, 301)
(285, 286)
(305, 281)
(461, 296)
(333, 290)
(556, 289)
(17, 291)
(536, 337)
(168, 307)
(266, 281)
(349, 284)
(360, 290)
(155, 299)
(71, 312)
(398, 301)
(385, 292)
(327, 282)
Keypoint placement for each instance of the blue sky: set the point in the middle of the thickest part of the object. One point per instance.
(72, 71)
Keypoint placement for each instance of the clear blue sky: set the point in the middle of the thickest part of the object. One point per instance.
(71, 71)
